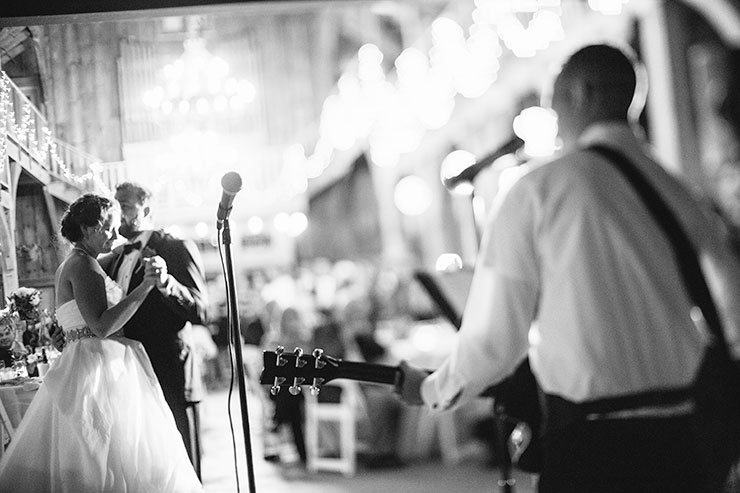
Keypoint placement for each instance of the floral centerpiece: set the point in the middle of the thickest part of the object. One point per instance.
(33, 324)
(25, 302)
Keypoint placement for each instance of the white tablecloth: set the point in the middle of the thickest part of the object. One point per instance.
(17, 397)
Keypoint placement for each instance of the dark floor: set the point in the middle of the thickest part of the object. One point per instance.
(428, 475)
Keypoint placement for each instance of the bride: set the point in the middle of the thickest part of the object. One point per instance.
(99, 421)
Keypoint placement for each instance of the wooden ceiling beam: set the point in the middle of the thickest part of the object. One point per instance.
(41, 12)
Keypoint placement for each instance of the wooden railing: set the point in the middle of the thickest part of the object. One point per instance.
(23, 124)
(112, 173)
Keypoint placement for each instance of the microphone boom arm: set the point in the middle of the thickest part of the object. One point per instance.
(469, 173)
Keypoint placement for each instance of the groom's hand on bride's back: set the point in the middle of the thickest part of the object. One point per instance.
(57, 337)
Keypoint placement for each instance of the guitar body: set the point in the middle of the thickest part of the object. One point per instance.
(517, 400)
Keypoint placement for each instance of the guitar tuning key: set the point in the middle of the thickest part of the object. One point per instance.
(318, 353)
(281, 360)
(299, 362)
(276, 385)
(316, 385)
(295, 389)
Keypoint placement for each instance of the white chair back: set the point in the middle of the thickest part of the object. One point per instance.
(345, 414)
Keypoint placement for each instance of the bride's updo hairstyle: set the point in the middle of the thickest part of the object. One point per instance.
(88, 210)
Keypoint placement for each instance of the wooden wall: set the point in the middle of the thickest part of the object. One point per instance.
(83, 87)
(36, 243)
(344, 220)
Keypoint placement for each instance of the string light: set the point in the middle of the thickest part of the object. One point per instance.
(538, 128)
(426, 83)
(26, 132)
(4, 105)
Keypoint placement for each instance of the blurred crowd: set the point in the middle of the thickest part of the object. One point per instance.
(335, 306)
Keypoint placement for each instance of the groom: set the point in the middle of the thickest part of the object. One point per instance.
(160, 321)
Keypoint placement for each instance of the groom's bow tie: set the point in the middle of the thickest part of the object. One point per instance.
(128, 247)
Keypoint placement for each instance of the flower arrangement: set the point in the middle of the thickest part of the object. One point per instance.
(33, 324)
(24, 302)
(25, 341)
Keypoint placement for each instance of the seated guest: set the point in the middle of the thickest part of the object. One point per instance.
(8, 345)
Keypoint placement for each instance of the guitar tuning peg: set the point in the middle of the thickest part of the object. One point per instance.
(295, 389)
(316, 385)
(318, 353)
(281, 360)
(276, 385)
(299, 362)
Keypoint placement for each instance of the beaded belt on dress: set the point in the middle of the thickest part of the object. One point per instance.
(77, 334)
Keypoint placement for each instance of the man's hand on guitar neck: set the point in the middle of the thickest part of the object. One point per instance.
(409, 388)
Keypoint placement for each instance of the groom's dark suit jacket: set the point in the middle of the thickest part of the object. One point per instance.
(158, 322)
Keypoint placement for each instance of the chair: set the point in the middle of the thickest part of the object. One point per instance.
(345, 413)
(422, 433)
(6, 429)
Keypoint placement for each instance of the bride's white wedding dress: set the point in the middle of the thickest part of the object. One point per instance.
(99, 421)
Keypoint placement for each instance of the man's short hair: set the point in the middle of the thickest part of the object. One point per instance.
(602, 63)
(607, 67)
(141, 193)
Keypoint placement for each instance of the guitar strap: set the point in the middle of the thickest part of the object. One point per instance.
(683, 248)
(715, 427)
(564, 411)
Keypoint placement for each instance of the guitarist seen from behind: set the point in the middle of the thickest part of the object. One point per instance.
(576, 275)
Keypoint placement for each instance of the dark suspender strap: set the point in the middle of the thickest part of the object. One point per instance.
(683, 248)
(563, 411)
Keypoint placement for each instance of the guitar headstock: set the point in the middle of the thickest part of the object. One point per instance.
(297, 368)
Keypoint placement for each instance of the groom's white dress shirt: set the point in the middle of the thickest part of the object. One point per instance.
(126, 269)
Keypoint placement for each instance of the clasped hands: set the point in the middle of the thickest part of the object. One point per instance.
(155, 271)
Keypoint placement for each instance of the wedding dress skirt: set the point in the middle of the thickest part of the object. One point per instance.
(98, 423)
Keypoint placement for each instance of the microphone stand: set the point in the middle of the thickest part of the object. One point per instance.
(236, 341)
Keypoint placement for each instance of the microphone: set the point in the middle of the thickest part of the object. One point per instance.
(231, 183)
(511, 146)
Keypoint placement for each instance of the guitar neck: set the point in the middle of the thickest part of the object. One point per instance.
(369, 372)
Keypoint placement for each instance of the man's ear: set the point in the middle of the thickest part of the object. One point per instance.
(147, 210)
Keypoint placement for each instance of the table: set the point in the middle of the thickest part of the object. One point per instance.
(15, 398)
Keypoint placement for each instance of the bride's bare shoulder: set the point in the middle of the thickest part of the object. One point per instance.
(75, 272)
(79, 266)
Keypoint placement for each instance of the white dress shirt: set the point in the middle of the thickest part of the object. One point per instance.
(126, 269)
(574, 272)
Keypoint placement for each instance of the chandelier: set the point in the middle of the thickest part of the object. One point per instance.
(198, 84)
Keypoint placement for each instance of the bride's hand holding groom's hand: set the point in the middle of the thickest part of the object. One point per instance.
(155, 271)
